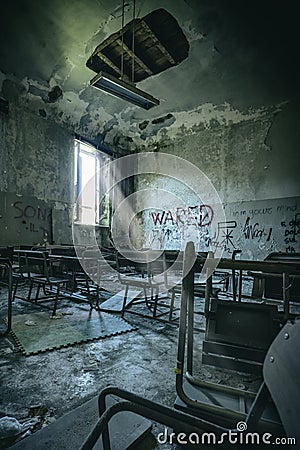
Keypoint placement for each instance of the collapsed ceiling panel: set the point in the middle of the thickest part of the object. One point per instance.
(155, 43)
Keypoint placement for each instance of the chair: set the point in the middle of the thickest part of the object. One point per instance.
(238, 333)
(91, 277)
(147, 272)
(132, 273)
(35, 267)
(282, 374)
(272, 412)
(272, 287)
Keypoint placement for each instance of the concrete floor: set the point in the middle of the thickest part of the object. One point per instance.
(49, 384)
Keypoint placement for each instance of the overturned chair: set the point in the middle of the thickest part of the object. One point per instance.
(272, 412)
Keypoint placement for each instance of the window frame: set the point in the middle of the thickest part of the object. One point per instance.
(101, 158)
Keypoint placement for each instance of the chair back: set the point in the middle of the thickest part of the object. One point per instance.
(281, 372)
(89, 259)
(129, 262)
(34, 263)
(63, 250)
(7, 253)
(273, 285)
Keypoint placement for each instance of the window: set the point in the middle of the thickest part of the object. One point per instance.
(92, 203)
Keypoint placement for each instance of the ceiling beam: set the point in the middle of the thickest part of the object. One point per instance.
(157, 42)
(108, 62)
(133, 55)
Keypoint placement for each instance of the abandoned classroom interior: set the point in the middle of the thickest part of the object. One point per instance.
(149, 224)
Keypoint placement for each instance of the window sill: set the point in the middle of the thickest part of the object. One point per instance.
(96, 225)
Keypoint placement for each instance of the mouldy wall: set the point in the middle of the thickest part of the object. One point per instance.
(37, 162)
(249, 157)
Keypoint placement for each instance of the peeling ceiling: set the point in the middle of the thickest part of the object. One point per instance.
(241, 58)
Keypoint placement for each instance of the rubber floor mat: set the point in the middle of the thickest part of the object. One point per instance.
(38, 332)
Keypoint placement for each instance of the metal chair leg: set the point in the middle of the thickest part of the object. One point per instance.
(37, 292)
(15, 289)
(172, 305)
(55, 301)
(124, 300)
(29, 291)
(155, 302)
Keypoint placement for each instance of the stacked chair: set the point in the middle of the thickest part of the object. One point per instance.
(205, 408)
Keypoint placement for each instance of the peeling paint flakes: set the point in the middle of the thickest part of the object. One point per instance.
(207, 115)
(224, 115)
(191, 33)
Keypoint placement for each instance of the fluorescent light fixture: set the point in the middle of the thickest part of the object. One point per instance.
(124, 90)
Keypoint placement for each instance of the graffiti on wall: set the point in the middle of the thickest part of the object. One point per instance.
(256, 228)
(35, 219)
(291, 230)
(24, 220)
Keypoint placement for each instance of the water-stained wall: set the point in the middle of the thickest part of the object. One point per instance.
(251, 159)
(231, 108)
(257, 228)
(37, 159)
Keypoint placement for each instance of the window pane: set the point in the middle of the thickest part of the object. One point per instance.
(88, 188)
(92, 205)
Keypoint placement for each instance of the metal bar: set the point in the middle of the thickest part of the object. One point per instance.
(240, 286)
(286, 295)
(230, 350)
(133, 43)
(188, 255)
(218, 387)
(186, 292)
(208, 286)
(208, 289)
(156, 412)
(122, 40)
(146, 408)
(233, 285)
(238, 365)
(9, 306)
(159, 319)
(255, 266)
(7, 266)
(258, 406)
(234, 253)
(190, 322)
(242, 403)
